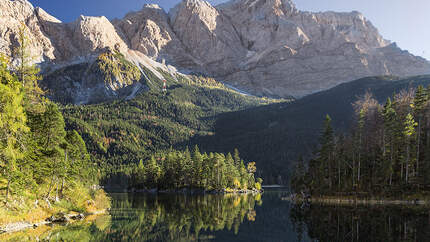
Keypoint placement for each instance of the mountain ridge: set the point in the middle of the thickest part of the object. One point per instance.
(263, 47)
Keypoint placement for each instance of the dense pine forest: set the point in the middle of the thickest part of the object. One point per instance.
(121, 133)
(173, 170)
(44, 167)
(387, 152)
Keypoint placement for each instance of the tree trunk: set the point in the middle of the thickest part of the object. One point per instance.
(329, 172)
(50, 186)
(407, 163)
(418, 146)
(353, 168)
(8, 189)
(338, 167)
(62, 187)
(65, 172)
(359, 163)
(391, 164)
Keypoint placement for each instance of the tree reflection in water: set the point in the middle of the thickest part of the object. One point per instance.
(139, 217)
(331, 223)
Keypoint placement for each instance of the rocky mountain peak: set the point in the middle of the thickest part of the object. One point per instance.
(197, 10)
(264, 47)
(262, 8)
(95, 33)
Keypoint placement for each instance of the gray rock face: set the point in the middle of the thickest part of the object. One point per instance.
(281, 51)
(264, 47)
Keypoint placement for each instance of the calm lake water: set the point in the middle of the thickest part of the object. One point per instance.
(267, 217)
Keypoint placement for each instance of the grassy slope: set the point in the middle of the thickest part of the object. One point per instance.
(275, 135)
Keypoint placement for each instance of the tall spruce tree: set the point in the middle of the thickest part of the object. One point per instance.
(325, 154)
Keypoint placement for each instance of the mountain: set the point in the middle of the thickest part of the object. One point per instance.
(125, 131)
(200, 111)
(263, 47)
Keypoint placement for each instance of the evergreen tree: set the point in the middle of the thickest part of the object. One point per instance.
(420, 101)
(13, 126)
(408, 132)
(389, 115)
(326, 152)
(27, 72)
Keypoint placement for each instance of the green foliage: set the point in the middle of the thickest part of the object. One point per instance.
(276, 135)
(409, 125)
(13, 127)
(381, 155)
(172, 169)
(115, 68)
(125, 132)
(37, 155)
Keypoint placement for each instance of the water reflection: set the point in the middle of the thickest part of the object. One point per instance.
(137, 217)
(330, 223)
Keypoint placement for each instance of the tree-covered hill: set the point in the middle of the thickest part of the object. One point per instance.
(125, 131)
(198, 110)
(276, 135)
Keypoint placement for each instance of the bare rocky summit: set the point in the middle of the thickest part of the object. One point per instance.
(264, 47)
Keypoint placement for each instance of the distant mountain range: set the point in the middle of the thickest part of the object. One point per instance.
(263, 47)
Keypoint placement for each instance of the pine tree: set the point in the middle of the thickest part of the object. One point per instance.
(236, 158)
(13, 126)
(198, 167)
(152, 172)
(326, 151)
(389, 115)
(419, 108)
(408, 132)
(27, 72)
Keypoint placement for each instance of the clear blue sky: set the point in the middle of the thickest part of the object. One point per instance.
(406, 22)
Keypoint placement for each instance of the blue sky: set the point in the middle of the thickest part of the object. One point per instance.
(406, 22)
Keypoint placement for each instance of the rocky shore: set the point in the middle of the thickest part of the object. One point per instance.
(59, 218)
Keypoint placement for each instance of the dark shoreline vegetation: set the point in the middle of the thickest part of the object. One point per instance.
(385, 156)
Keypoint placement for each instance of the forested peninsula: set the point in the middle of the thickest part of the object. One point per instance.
(184, 171)
(385, 156)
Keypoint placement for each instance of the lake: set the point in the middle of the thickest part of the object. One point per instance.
(266, 217)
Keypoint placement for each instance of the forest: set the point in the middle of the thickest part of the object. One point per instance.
(173, 170)
(386, 152)
(44, 166)
(124, 132)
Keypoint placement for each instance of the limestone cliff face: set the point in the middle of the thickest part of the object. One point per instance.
(14, 14)
(265, 47)
(286, 52)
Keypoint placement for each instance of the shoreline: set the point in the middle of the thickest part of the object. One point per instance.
(354, 201)
(192, 191)
(64, 219)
